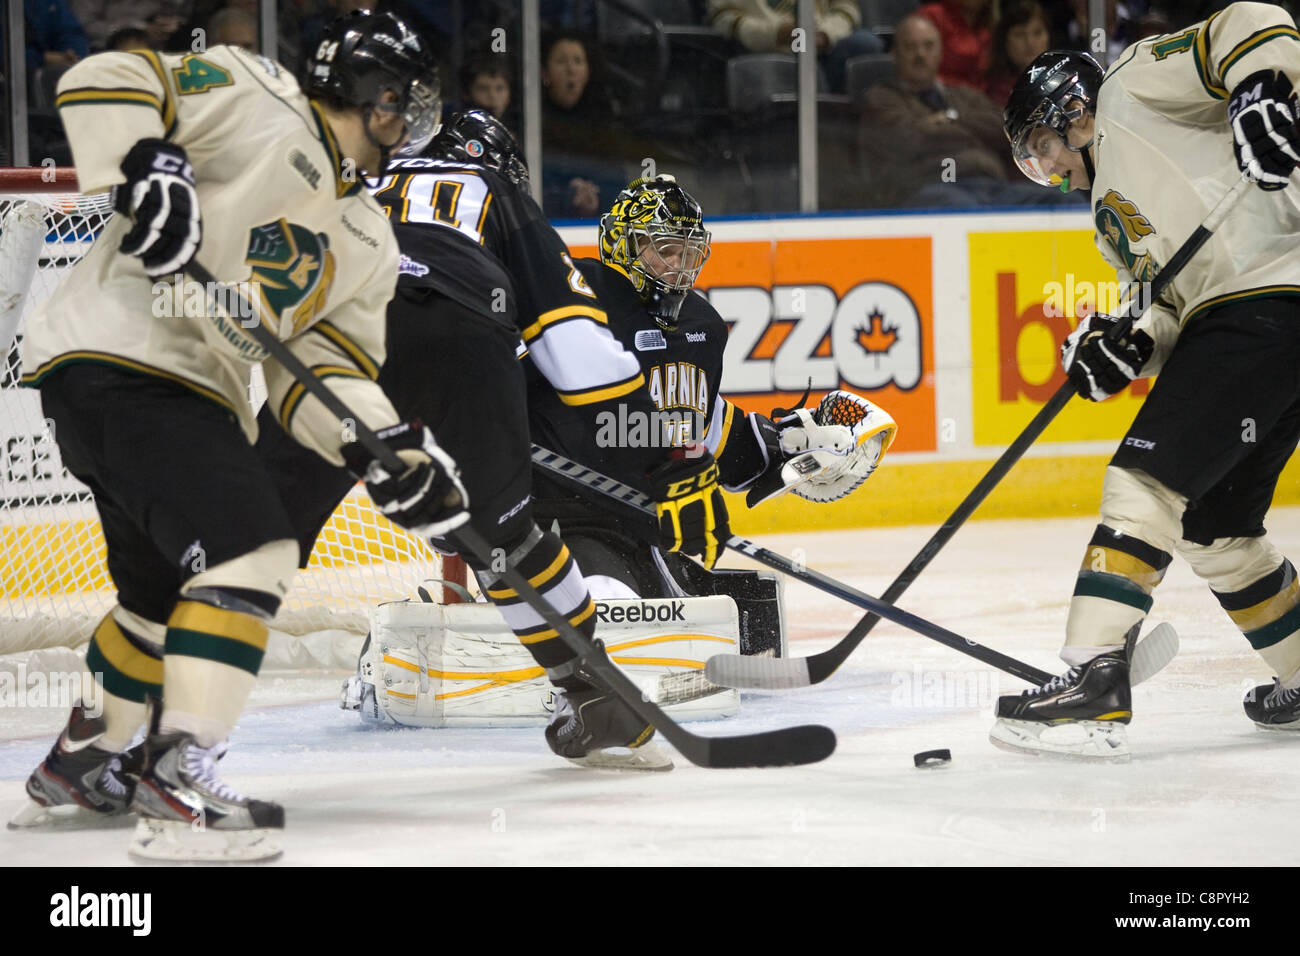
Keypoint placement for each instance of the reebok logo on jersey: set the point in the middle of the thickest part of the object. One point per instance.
(1141, 444)
(372, 242)
(648, 340)
(647, 611)
(407, 266)
(696, 336)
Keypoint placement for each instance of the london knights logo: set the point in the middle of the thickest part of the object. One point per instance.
(1120, 222)
(293, 270)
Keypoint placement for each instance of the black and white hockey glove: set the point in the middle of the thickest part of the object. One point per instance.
(428, 498)
(159, 197)
(1262, 111)
(1097, 367)
(688, 501)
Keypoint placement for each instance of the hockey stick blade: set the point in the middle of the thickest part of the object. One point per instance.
(777, 748)
(1150, 656)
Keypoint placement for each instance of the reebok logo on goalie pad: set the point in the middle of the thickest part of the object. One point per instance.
(633, 612)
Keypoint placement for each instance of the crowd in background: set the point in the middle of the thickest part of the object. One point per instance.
(909, 94)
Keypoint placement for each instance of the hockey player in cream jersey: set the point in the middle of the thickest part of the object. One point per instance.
(1174, 124)
(219, 154)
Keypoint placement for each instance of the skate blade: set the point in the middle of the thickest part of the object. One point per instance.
(173, 841)
(1291, 726)
(35, 816)
(1076, 740)
(647, 757)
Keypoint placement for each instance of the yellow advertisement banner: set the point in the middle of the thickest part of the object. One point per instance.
(1027, 292)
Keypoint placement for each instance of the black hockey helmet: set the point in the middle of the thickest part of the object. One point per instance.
(1041, 98)
(362, 55)
(476, 136)
(654, 234)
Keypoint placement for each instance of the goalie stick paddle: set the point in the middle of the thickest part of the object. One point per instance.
(1149, 656)
(802, 671)
(775, 748)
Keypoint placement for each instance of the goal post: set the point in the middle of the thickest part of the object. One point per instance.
(54, 584)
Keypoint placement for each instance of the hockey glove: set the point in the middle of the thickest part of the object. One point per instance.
(159, 197)
(692, 514)
(823, 454)
(1262, 111)
(1098, 367)
(427, 499)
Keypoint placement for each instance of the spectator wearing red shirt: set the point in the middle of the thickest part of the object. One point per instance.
(965, 28)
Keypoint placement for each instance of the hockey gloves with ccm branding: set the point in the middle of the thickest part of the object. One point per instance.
(1099, 368)
(159, 197)
(427, 499)
(688, 501)
(1262, 111)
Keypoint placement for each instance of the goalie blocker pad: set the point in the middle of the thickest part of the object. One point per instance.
(435, 665)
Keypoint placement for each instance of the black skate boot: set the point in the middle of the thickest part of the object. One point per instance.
(588, 721)
(187, 813)
(1274, 707)
(79, 784)
(1081, 713)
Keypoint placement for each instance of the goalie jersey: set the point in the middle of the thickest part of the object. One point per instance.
(1164, 157)
(283, 216)
(683, 371)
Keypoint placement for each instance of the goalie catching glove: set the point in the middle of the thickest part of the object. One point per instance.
(1099, 367)
(823, 454)
(688, 501)
(428, 498)
(159, 197)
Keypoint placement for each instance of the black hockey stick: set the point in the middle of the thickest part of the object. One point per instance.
(635, 501)
(802, 671)
(775, 748)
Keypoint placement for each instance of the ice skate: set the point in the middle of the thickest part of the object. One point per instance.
(78, 784)
(188, 814)
(1081, 714)
(1274, 707)
(593, 728)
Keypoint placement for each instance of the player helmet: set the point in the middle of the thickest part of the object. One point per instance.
(476, 136)
(362, 55)
(655, 235)
(1041, 99)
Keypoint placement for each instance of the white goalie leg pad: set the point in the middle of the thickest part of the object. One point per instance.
(1077, 739)
(435, 665)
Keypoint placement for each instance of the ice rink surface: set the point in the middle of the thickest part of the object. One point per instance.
(1204, 787)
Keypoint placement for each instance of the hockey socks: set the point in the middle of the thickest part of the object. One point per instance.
(128, 668)
(545, 561)
(1112, 593)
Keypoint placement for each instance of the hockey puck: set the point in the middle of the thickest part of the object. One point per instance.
(932, 758)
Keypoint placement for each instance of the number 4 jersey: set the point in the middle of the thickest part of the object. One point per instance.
(284, 216)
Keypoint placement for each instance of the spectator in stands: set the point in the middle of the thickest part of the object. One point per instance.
(55, 37)
(579, 140)
(965, 31)
(128, 38)
(1021, 33)
(1125, 24)
(102, 18)
(485, 84)
(768, 26)
(234, 26)
(922, 140)
(166, 28)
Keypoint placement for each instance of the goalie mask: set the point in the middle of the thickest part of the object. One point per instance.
(476, 136)
(655, 235)
(1056, 89)
(363, 55)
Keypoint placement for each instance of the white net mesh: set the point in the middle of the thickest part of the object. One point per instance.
(53, 582)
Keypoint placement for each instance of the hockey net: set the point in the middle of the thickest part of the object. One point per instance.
(54, 585)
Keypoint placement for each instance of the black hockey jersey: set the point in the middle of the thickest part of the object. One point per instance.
(483, 242)
(683, 371)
